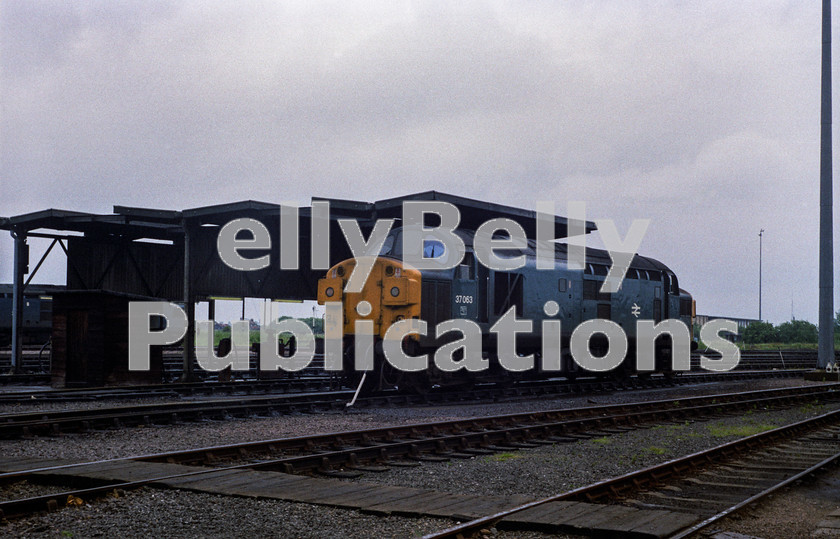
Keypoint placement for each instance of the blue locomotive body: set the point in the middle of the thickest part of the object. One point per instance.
(471, 291)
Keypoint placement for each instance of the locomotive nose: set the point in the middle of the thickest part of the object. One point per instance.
(331, 287)
(391, 289)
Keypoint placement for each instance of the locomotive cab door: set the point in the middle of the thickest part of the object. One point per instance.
(465, 293)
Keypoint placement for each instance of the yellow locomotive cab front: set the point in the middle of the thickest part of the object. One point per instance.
(391, 289)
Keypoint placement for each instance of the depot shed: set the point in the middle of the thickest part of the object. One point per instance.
(90, 341)
(169, 255)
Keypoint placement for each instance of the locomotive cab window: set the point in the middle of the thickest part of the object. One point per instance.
(396, 245)
(388, 246)
(433, 249)
(466, 270)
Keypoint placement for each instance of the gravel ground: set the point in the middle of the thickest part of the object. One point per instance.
(25, 489)
(168, 513)
(538, 472)
(796, 512)
(551, 469)
(40, 406)
(145, 440)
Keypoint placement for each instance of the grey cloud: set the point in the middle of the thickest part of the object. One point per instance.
(702, 117)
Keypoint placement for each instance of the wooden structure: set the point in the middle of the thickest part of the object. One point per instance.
(168, 255)
(90, 341)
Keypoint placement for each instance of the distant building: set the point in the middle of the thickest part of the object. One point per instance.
(701, 319)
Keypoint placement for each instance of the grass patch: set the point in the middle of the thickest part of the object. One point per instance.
(775, 346)
(603, 440)
(722, 431)
(502, 457)
(811, 408)
(655, 450)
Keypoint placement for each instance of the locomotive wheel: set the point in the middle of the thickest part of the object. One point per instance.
(620, 374)
(389, 377)
(350, 376)
(416, 382)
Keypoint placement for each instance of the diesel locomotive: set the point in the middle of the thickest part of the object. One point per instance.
(395, 291)
(36, 324)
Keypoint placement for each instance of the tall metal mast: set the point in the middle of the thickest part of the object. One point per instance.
(760, 235)
(826, 342)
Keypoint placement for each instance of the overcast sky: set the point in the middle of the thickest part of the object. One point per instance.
(701, 116)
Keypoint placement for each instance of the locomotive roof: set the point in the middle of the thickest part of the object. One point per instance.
(474, 212)
(593, 256)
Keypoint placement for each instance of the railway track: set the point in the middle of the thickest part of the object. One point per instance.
(323, 383)
(309, 383)
(52, 423)
(768, 359)
(346, 454)
(176, 389)
(25, 378)
(710, 485)
(37, 371)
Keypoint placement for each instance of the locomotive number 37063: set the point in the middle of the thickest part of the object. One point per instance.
(460, 298)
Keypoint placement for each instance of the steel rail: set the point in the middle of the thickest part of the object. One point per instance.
(25, 424)
(757, 497)
(53, 423)
(243, 387)
(483, 436)
(323, 382)
(655, 474)
(536, 429)
(494, 428)
(599, 416)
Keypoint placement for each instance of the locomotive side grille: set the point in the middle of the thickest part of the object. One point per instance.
(436, 301)
(508, 292)
(592, 290)
(428, 294)
(604, 311)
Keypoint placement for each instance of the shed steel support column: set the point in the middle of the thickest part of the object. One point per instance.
(826, 338)
(189, 308)
(21, 261)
